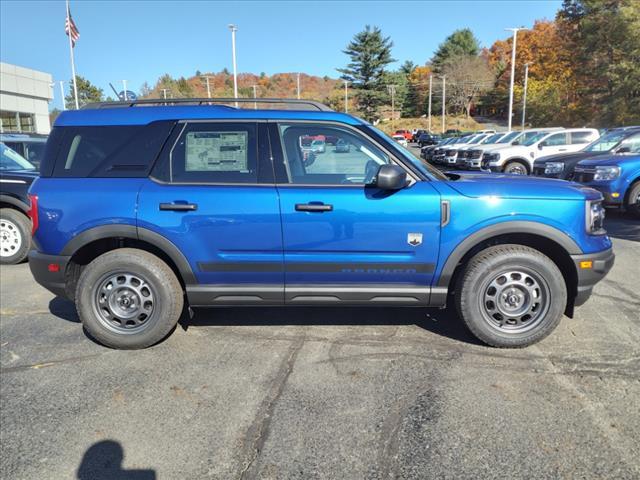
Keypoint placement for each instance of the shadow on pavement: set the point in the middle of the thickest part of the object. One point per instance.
(441, 322)
(63, 309)
(622, 225)
(103, 461)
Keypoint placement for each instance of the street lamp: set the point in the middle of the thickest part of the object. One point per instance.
(524, 97)
(234, 29)
(513, 68)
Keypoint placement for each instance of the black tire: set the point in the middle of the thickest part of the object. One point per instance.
(493, 324)
(150, 288)
(516, 167)
(15, 236)
(632, 204)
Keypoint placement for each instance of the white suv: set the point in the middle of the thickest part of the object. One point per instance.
(518, 159)
(474, 156)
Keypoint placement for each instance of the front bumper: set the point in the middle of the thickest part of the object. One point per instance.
(607, 190)
(601, 263)
(54, 281)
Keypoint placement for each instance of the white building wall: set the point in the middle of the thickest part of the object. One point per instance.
(26, 91)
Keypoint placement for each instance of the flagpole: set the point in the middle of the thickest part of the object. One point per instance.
(73, 63)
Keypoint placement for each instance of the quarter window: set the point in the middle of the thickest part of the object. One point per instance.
(329, 155)
(215, 153)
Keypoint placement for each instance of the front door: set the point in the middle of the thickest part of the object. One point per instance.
(344, 241)
(213, 196)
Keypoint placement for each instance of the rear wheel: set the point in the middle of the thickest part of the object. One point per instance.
(516, 168)
(128, 299)
(633, 200)
(15, 236)
(511, 296)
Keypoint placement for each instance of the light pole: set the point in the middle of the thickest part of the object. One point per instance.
(298, 85)
(64, 103)
(255, 104)
(346, 97)
(524, 97)
(124, 90)
(164, 92)
(234, 29)
(392, 91)
(430, 86)
(444, 89)
(513, 70)
(206, 78)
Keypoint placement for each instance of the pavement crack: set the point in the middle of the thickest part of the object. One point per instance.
(39, 365)
(258, 431)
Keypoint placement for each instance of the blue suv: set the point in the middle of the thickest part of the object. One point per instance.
(143, 209)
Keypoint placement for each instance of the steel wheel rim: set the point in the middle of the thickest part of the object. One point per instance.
(124, 302)
(515, 300)
(517, 170)
(10, 238)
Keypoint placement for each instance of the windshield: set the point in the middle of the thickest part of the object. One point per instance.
(492, 138)
(535, 138)
(509, 137)
(606, 142)
(10, 160)
(407, 155)
(477, 140)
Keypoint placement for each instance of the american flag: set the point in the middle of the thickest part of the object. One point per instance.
(70, 29)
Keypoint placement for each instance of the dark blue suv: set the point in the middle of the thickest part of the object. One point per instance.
(143, 209)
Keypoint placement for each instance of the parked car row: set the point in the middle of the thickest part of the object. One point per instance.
(610, 164)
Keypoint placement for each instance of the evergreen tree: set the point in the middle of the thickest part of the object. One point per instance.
(87, 93)
(370, 53)
(459, 43)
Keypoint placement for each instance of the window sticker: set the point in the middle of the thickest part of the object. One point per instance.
(216, 152)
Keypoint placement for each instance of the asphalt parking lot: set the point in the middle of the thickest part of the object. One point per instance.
(323, 393)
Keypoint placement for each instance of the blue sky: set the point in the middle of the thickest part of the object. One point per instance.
(141, 40)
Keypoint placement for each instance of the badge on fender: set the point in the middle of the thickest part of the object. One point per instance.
(414, 239)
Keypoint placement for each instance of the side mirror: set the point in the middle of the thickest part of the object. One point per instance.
(390, 177)
(515, 142)
(623, 150)
(541, 144)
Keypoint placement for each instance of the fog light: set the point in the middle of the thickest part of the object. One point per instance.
(586, 264)
(53, 267)
(615, 194)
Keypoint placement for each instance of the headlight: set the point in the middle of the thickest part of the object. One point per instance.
(551, 168)
(595, 217)
(606, 173)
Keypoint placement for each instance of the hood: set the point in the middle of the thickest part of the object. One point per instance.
(499, 146)
(610, 160)
(568, 158)
(478, 185)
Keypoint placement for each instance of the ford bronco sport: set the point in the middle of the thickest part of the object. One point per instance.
(144, 208)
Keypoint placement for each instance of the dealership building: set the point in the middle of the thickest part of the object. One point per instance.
(24, 100)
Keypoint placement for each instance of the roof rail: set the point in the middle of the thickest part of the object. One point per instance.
(207, 101)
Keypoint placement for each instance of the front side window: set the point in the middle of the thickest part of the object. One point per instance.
(632, 143)
(215, 153)
(334, 156)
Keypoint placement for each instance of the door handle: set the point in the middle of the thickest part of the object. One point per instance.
(313, 207)
(179, 207)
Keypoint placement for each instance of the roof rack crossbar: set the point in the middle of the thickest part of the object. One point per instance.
(204, 101)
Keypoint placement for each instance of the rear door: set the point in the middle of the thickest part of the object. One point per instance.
(212, 195)
(344, 241)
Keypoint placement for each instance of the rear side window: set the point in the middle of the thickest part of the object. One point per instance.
(110, 151)
(580, 137)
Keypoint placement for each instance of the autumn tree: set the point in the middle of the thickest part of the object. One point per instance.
(467, 77)
(370, 53)
(603, 40)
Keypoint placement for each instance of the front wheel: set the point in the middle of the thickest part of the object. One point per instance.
(633, 200)
(511, 296)
(128, 299)
(516, 168)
